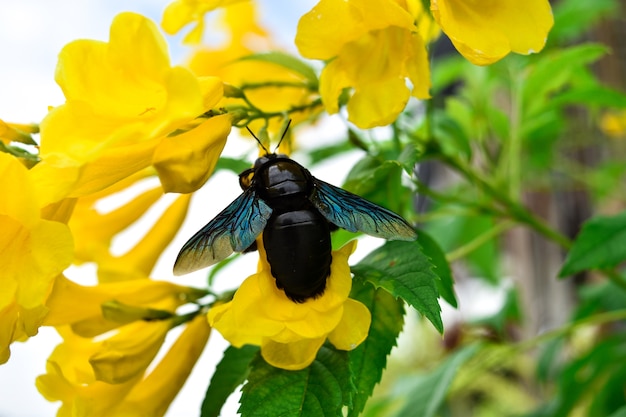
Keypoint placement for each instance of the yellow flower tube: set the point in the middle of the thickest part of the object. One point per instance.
(153, 394)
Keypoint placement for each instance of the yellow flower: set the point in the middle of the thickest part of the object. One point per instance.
(82, 306)
(486, 31)
(108, 343)
(290, 334)
(373, 47)
(180, 13)
(613, 124)
(33, 251)
(269, 86)
(152, 396)
(123, 98)
(108, 378)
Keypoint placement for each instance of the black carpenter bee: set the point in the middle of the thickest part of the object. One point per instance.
(296, 213)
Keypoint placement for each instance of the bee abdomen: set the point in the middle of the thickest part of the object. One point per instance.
(298, 250)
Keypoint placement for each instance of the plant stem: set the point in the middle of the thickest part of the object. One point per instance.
(471, 246)
(515, 210)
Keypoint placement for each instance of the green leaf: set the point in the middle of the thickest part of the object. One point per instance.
(445, 283)
(404, 271)
(450, 135)
(330, 151)
(554, 70)
(232, 164)
(321, 390)
(231, 372)
(427, 393)
(459, 229)
(600, 244)
(379, 181)
(619, 413)
(287, 61)
(572, 18)
(369, 359)
(586, 378)
(591, 95)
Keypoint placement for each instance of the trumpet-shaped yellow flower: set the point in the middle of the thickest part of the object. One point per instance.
(152, 395)
(486, 31)
(122, 99)
(86, 316)
(290, 334)
(374, 48)
(109, 343)
(268, 86)
(33, 251)
(108, 378)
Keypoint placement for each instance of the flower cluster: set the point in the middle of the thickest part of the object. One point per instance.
(373, 48)
(129, 118)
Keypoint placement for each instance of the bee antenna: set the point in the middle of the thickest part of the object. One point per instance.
(258, 141)
(283, 136)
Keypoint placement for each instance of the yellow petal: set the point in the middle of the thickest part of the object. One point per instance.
(222, 319)
(212, 91)
(19, 201)
(324, 30)
(152, 396)
(83, 80)
(427, 28)
(9, 314)
(378, 104)
(122, 99)
(184, 162)
(179, 13)
(70, 379)
(127, 354)
(176, 15)
(291, 356)
(486, 31)
(140, 260)
(93, 231)
(32, 252)
(353, 328)
(58, 177)
(378, 81)
(142, 292)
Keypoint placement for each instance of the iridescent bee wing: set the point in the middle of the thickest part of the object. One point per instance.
(355, 214)
(234, 229)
